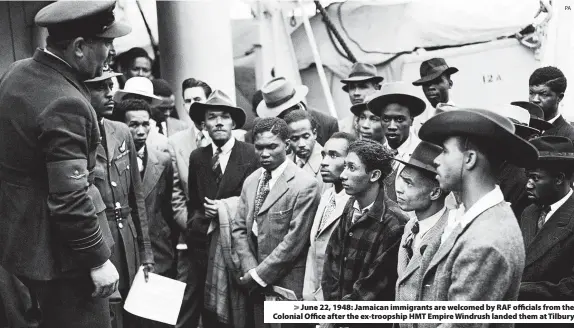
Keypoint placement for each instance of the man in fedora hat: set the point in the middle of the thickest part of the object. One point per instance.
(280, 97)
(547, 224)
(419, 191)
(435, 81)
(361, 82)
(117, 178)
(361, 256)
(216, 172)
(397, 104)
(53, 234)
(139, 87)
(480, 255)
(546, 89)
(368, 125)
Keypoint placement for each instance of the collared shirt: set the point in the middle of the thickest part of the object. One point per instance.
(554, 207)
(196, 132)
(357, 208)
(552, 120)
(225, 153)
(405, 151)
(425, 225)
(54, 55)
(492, 198)
(275, 174)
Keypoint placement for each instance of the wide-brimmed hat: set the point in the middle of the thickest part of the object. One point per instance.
(280, 94)
(520, 118)
(433, 68)
(361, 72)
(423, 157)
(553, 150)
(140, 86)
(357, 109)
(217, 100)
(483, 124)
(70, 19)
(536, 115)
(105, 75)
(397, 93)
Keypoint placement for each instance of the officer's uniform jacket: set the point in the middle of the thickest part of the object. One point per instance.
(48, 137)
(118, 180)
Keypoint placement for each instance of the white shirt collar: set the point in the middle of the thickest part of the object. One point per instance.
(408, 146)
(276, 173)
(426, 224)
(552, 120)
(357, 207)
(554, 207)
(487, 201)
(54, 55)
(226, 148)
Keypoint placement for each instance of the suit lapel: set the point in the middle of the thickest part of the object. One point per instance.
(314, 162)
(558, 227)
(111, 139)
(279, 188)
(445, 248)
(152, 173)
(187, 145)
(320, 210)
(402, 258)
(232, 175)
(335, 216)
(529, 223)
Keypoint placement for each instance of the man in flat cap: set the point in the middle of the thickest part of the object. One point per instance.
(547, 224)
(361, 82)
(397, 104)
(546, 89)
(54, 234)
(480, 255)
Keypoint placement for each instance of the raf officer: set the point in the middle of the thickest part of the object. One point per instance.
(47, 151)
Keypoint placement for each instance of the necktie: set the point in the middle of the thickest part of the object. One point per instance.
(357, 214)
(543, 213)
(216, 167)
(199, 139)
(300, 162)
(160, 127)
(327, 213)
(262, 193)
(140, 159)
(408, 245)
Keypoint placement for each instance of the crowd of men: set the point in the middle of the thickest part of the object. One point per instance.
(470, 205)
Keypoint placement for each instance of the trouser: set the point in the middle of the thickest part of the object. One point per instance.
(15, 304)
(68, 303)
(192, 305)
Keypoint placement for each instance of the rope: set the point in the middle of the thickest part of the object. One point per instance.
(333, 29)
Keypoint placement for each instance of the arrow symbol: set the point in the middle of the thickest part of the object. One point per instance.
(296, 307)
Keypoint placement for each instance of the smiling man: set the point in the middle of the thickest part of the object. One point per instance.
(546, 224)
(361, 256)
(306, 151)
(397, 104)
(272, 226)
(546, 89)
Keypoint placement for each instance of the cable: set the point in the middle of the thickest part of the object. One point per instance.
(333, 29)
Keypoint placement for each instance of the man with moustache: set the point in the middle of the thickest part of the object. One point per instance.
(419, 191)
(480, 256)
(329, 212)
(397, 105)
(306, 151)
(368, 124)
(53, 234)
(361, 82)
(546, 89)
(216, 172)
(361, 256)
(547, 224)
(272, 225)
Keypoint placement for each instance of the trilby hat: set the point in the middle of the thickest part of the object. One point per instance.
(280, 94)
(362, 72)
(217, 100)
(536, 115)
(433, 68)
(423, 157)
(140, 86)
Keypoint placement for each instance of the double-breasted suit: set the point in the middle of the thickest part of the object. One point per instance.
(548, 274)
(118, 180)
(319, 239)
(409, 272)
(479, 261)
(157, 184)
(279, 250)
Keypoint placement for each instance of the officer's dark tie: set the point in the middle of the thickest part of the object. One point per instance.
(544, 210)
(216, 167)
(408, 245)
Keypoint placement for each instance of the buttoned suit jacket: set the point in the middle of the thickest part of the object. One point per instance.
(313, 167)
(48, 204)
(157, 185)
(312, 290)
(283, 227)
(181, 145)
(483, 261)
(409, 271)
(117, 177)
(548, 274)
(561, 128)
(242, 162)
